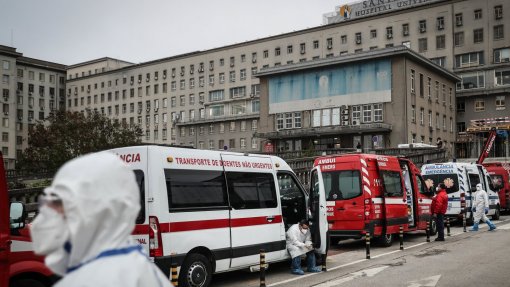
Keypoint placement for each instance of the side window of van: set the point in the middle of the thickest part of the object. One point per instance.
(392, 183)
(474, 179)
(195, 189)
(140, 180)
(422, 188)
(251, 190)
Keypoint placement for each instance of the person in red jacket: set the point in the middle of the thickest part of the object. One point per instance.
(439, 206)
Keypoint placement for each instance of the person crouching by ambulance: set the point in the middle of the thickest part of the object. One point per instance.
(84, 225)
(480, 209)
(438, 208)
(299, 242)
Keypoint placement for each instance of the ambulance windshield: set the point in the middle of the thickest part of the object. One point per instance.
(450, 180)
(341, 185)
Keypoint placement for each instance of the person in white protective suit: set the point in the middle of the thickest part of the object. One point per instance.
(480, 209)
(299, 242)
(84, 226)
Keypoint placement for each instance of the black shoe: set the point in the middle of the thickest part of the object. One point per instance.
(439, 239)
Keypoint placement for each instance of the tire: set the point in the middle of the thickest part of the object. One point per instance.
(196, 271)
(433, 228)
(496, 214)
(386, 240)
(27, 283)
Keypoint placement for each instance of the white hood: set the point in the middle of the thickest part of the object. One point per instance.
(101, 202)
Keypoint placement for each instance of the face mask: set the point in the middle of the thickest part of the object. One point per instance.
(438, 189)
(49, 231)
(304, 231)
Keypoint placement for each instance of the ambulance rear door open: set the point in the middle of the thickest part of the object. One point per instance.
(318, 212)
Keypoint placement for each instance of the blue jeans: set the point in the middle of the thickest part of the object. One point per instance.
(440, 225)
(310, 261)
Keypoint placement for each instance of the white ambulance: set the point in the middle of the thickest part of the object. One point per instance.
(461, 180)
(214, 211)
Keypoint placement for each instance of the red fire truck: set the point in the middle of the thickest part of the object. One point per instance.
(19, 266)
(372, 193)
(500, 175)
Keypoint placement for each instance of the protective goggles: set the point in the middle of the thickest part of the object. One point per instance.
(50, 200)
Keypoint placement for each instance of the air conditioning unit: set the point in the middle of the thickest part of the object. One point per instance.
(155, 126)
(6, 113)
(88, 90)
(254, 60)
(6, 98)
(164, 77)
(20, 118)
(358, 41)
(389, 36)
(164, 125)
(52, 96)
(345, 123)
(182, 73)
(139, 81)
(356, 122)
(440, 27)
(131, 83)
(155, 78)
(505, 60)
(330, 46)
(423, 30)
(31, 93)
(41, 108)
(147, 79)
(147, 124)
(30, 119)
(139, 111)
(252, 95)
(155, 109)
(148, 109)
(345, 118)
(201, 102)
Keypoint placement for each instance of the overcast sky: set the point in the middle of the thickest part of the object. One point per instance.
(73, 31)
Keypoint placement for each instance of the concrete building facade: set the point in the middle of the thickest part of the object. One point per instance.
(375, 99)
(210, 99)
(31, 90)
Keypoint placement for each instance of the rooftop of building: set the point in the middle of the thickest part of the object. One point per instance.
(99, 60)
(402, 51)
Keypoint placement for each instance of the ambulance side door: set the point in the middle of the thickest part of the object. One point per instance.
(395, 201)
(255, 216)
(318, 212)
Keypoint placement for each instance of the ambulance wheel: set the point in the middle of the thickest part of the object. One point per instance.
(496, 214)
(385, 240)
(196, 271)
(433, 227)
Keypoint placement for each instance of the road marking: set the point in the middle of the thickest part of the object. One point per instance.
(425, 282)
(359, 274)
(506, 226)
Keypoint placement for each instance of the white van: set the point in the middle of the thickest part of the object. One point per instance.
(214, 211)
(461, 180)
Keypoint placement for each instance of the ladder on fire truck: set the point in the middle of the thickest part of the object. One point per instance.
(488, 146)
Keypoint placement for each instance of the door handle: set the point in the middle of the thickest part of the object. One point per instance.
(421, 200)
(270, 218)
(354, 203)
(341, 209)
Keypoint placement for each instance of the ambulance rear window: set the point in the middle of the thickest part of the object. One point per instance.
(140, 180)
(341, 185)
(450, 180)
(392, 183)
(195, 189)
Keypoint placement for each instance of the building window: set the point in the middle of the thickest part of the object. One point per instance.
(378, 112)
(358, 38)
(182, 100)
(407, 44)
(440, 42)
(473, 80)
(222, 78)
(316, 44)
(254, 125)
(478, 14)
(458, 39)
(498, 32)
(316, 118)
(343, 39)
(277, 51)
(461, 106)
(422, 116)
(373, 34)
(422, 45)
(356, 114)
(232, 76)
(430, 118)
(329, 43)
(413, 114)
(242, 74)
(217, 111)
(367, 113)
(182, 84)
(478, 35)
(211, 80)
(461, 127)
(498, 12)
(479, 105)
(469, 60)
(405, 29)
(500, 103)
(502, 77)
(423, 26)
(389, 32)
(502, 55)
(302, 48)
(216, 95)
(458, 19)
(440, 23)
(255, 106)
(289, 49)
(413, 81)
(254, 57)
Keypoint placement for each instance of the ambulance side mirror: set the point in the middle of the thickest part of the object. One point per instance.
(17, 215)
